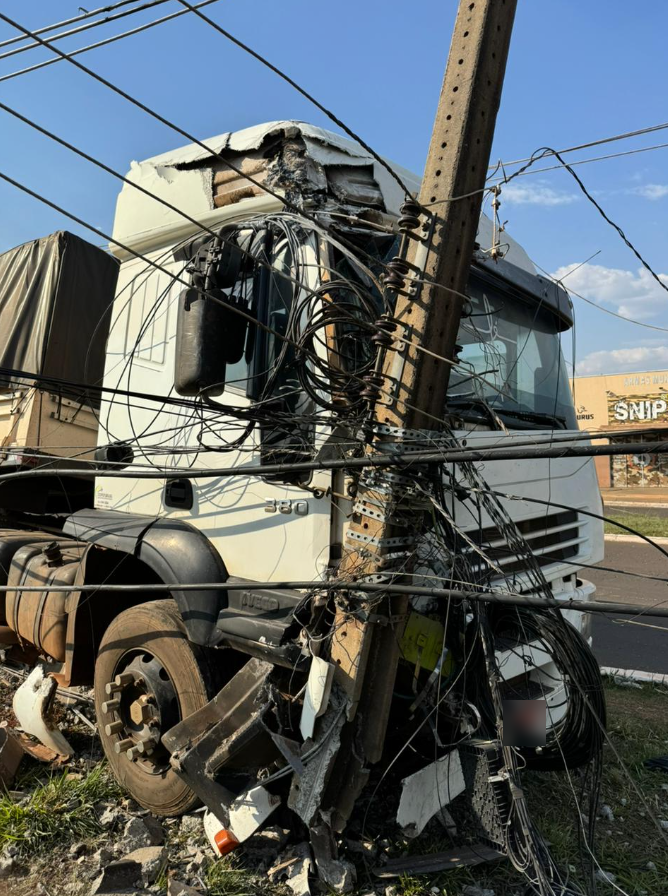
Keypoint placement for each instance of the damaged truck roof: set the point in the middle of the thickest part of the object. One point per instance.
(274, 152)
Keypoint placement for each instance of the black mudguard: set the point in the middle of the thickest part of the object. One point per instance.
(174, 550)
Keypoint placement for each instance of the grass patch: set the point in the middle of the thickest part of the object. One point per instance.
(645, 523)
(638, 728)
(59, 810)
(62, 809)
(227, 877)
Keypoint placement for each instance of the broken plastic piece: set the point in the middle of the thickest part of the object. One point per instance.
(250, 810)
(247, 813)
(426, 792)
(32, 706)
(318, 688)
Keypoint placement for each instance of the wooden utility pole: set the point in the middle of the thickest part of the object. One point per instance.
(365, 647)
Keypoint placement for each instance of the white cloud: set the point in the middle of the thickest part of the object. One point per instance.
(635, 295)
(623, 360)
(650, 191)
(536, 193)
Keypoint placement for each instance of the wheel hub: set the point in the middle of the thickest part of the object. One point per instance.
(142, 706)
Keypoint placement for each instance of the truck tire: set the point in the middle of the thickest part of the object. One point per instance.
(148, 677)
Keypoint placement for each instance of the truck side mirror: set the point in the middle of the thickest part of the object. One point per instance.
(210, 331)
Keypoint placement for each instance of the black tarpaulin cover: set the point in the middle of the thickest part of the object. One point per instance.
(55, 304)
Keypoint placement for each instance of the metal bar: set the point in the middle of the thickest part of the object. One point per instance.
(446, 456)
(503, 597)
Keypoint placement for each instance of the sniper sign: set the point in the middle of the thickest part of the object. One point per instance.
(643, 409)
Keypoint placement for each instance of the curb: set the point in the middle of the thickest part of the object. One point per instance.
(661, 506)
(635, 539)
(635, 675)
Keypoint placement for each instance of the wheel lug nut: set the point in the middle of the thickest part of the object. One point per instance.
(113, 728)
(111, 705)
(132, 753)
(122, 746)
(121, 681)
(124, 679)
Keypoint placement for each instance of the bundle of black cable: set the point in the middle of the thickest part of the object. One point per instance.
(576, 737)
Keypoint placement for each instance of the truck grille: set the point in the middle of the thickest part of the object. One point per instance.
(552, 538)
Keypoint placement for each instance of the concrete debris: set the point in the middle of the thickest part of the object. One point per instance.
(606, 812)
(94, 864)
(33, 702)
(475, 890)
(337, 874)
(7, 866)
(139, 868)
(294, 868)
(664, 824)
(605, 877)
(192, 825)
(263, 847)
(426, 792)
(110, 816)
(650, 866)
(197, 863)
(140, 832)
(178, 888)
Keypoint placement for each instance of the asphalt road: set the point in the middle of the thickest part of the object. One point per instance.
(629, 642)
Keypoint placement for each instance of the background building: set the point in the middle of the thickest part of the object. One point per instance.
(626, 402)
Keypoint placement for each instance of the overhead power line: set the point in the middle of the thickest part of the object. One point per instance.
(85, 27)
(85, 15)
(625, 136)
(628, 320)
(101, 43)
(281, 74)
(612, 155)
(541, 153)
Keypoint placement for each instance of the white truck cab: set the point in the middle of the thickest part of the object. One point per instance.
(264, 372)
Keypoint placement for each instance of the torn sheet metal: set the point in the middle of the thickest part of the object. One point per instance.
(318, 689)
(32, 705)
(426, 792)
(228, 725)
(438, 861)
(307, 789)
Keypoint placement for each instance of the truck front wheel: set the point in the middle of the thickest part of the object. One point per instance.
(148, 677)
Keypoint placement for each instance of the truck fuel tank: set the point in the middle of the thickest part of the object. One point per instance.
(41, 617)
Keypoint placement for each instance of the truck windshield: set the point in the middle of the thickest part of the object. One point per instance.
(510, 363)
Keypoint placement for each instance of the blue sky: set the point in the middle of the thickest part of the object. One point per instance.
(577, 72)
